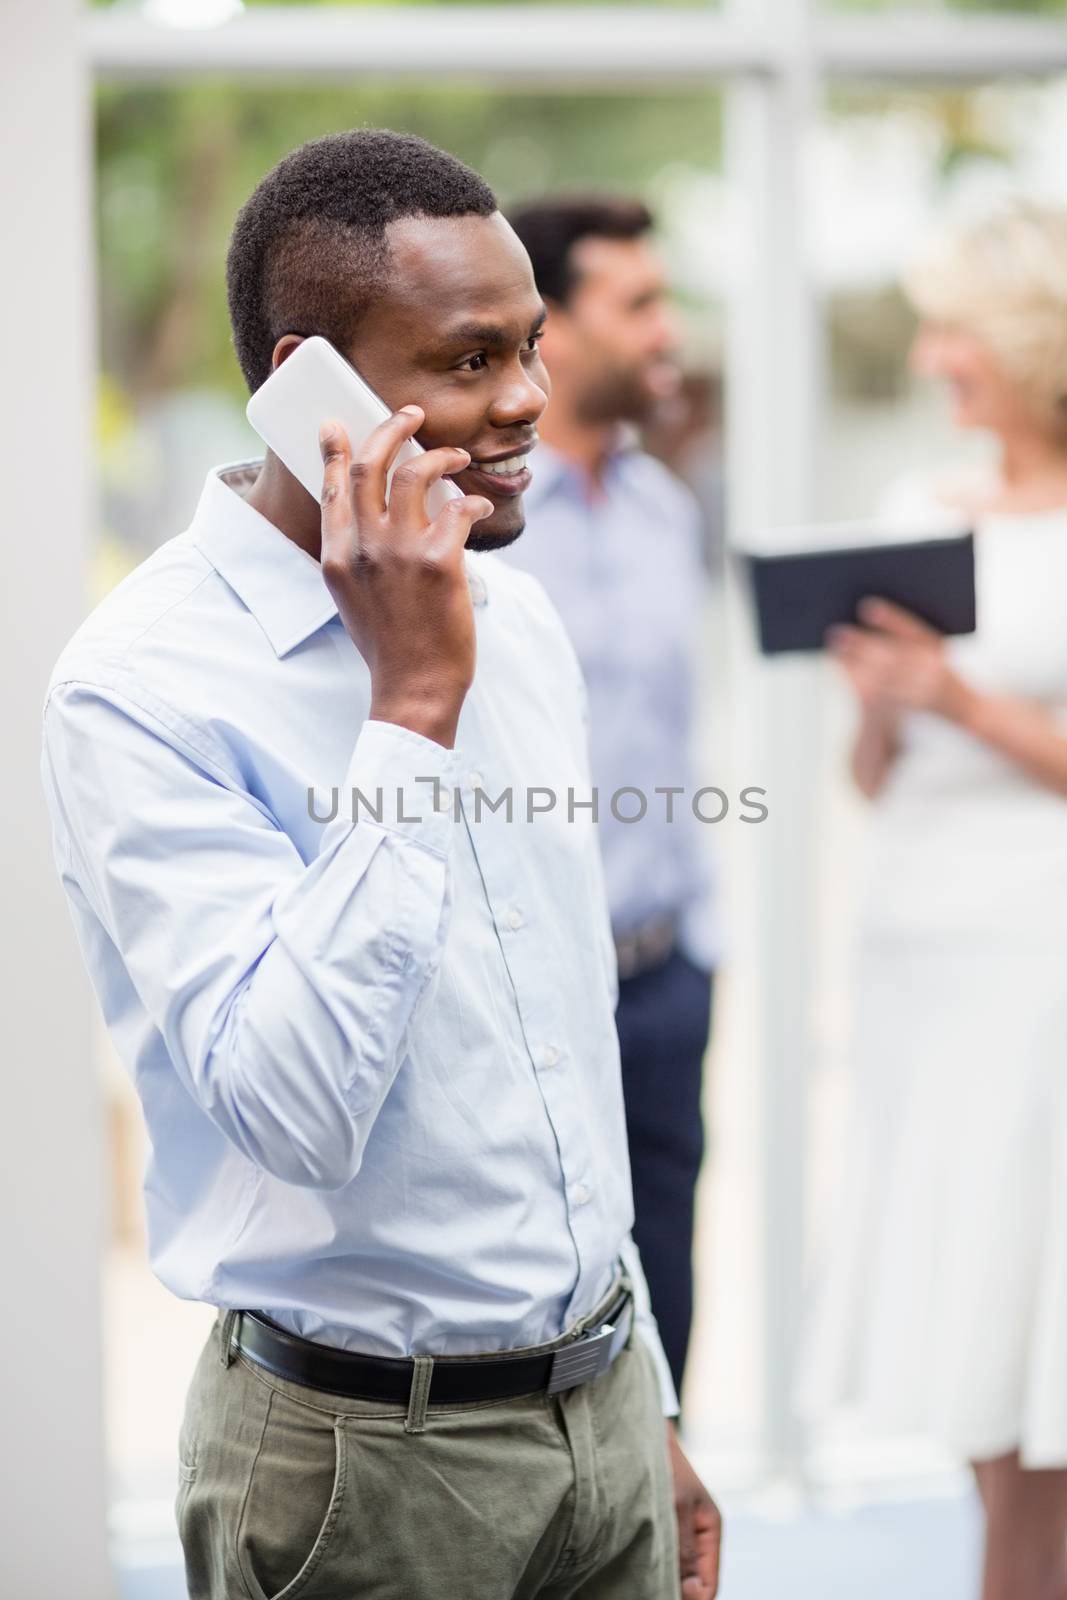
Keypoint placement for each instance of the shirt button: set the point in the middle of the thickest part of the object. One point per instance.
(514, 917)
(582, 1194)
(549, 1055)
(476, 780)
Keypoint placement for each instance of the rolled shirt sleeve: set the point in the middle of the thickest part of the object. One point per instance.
(282, 989)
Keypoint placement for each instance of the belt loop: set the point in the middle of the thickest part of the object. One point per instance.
(415, 1421)
(226, 1337)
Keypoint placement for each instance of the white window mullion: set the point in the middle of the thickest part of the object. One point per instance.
(772, 389)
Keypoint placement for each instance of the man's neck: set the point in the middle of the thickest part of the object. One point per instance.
(586, 445)
(1031, 457)
(279, 497)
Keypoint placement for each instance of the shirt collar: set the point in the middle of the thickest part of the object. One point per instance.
(281, 584)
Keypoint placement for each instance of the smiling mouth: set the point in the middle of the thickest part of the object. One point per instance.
(507, 477)
(503, 469)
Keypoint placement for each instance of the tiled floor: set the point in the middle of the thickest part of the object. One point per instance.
(924, 1550)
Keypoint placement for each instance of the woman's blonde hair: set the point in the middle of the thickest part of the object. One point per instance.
(1004, 279)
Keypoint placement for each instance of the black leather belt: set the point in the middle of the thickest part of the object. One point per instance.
(455, 1380)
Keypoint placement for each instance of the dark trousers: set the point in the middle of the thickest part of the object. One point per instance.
(663, 1019)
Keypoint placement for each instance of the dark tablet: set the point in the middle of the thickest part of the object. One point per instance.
(800, 593)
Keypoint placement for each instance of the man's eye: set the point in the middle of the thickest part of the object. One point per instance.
(535, 339)
(476, 363)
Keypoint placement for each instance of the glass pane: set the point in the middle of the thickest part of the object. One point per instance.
(891, 164)
(174, 165)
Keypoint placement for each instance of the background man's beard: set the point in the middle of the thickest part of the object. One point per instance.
(618, 396)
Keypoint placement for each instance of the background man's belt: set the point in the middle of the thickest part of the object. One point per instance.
(455, 1380)
(640, 949)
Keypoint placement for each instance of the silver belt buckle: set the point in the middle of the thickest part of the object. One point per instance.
(588, 1356)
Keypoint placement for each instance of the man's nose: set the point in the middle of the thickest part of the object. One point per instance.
(668, 329)
(519, 399)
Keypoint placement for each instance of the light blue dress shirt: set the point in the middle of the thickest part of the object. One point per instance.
(377, 1058)
(623, 568)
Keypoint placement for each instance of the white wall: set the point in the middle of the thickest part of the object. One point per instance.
(52, 1512)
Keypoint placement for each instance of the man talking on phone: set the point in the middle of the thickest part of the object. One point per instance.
(316, 775)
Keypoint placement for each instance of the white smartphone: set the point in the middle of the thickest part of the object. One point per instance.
(313, 385)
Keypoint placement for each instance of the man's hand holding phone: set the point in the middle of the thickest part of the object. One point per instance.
(398, 579)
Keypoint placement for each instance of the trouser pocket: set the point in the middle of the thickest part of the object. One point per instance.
(293, 1499)
(261, 1482)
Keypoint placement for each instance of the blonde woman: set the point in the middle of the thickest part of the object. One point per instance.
(945, 1304)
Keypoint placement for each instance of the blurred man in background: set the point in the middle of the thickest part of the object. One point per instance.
(616, 540)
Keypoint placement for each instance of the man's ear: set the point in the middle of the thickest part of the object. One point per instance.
(284, 347)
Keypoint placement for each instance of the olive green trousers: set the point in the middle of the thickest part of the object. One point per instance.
(288, 1492)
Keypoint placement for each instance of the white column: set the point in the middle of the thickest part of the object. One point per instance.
(772, 388)
(52, 1511)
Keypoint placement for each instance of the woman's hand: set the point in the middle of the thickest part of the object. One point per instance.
(896, 662)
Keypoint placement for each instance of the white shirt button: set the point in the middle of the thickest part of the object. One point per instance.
(582, 1194)
(549, 1055)
(514, 918)
(442, 798)
(476, 780)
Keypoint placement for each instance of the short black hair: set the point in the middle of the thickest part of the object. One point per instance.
(308, 250)
(550, 229)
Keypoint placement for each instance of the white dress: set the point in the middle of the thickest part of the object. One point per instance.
(942, 1306)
